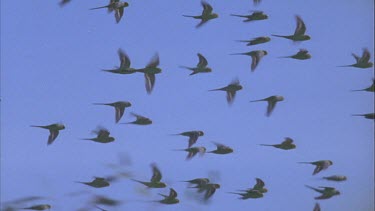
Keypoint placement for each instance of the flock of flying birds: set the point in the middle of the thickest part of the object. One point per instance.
(203, 185)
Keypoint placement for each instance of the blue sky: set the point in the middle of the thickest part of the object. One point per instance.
(51, 59)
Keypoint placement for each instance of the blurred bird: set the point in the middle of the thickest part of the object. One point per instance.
(207, 14)
(256, 41)
(255, 16)
(201, 66)
(193, 136)
(302, 54)
(250, 194)
(368, 89)
(103, 200)
(316, 207)
(141, 120)
(98, 182)
(155, 179)
(221, 149)
(38, 207)
(272, 101)
(256, 56)
(327, 192)
(119, 108)
(285, 145)
(299, 33)
(102, 136)
(192, 151)
(231, 90)
(171, 198)
(198, 182)
(259, 186)
(361, 62)
(150, 70)
(117, 6)
(367, 116)
(209, 189)
(53, 131)
(337, 178)
(63, 2)
(124, 64)
(320, 165)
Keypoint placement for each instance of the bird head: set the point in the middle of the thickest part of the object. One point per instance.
(330, 162)
(307, 37)
(201, 133)
(215, 15)
(265, 52)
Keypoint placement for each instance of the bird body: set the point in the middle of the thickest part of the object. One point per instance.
(124, 64)
(155, 181)
(368, 89)
(198, 182)
(337, 178)
(149, 72)
(250, 194)
(367, 116)
(256, 41)
(255, 16)
(192, 151)
(207, 14)
(193, 136)
(361, 62)
(53, 130)
(119, 108)
(221, 149)
(38, 207)
(102, 136)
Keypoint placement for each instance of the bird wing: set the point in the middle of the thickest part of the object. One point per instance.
(317, 169)
(172, 193)
(203, 21)
(156, 174)
(154, 61)
(193, 139)
(124, 58)
(254, 61)
(231, 94)
(207, 8)
(357, 58)
(118, 14)
(301, 28)
(103, 133)
(149, 82)
(270, 107)
(191, 154)
(209, 192)
(202, 61)
(259, 184)
(119, 112)
(287, 141)
(52, 136)
(365, 56)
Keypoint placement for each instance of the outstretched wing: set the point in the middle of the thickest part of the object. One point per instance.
(118, 14)
(154, 61)
(207, 8)
(124, 58)
(259, 184)
(119, 112)
(271, 106)
(52, 136)
(202, 61)
(365, 56)
(301, 28)
(156, 174)
(149, 82)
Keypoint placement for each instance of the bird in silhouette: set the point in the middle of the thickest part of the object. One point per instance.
(272, 101)
(302, 54)
(201, 66)
(102, 136)
(119, 108)
(192, 151)
(256, 56)
(327, 192)
(287, 144)
(124, 64)
(141, 120)
(193, 136)
(255, 16)
(53, 131)
(221, 149)
(231, 90)
(155, 179)
(117, 6)
(98, 182)
(256, 41)
(368, 89)
(250, 194)
(171, 198)
(149, 71)
(38, 207)
(337, 178)
(320, 165)
(361, 62)
(198, 182)
(299, 33)
(367, 116)
(206, 15)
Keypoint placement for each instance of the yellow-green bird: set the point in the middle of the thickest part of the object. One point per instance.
(98, 182)
(250, 194)
(171, 198)
(272, 101)
(302, 54)
(361, 62)
(119, 108)
(155, 179)
(299, 33)
(102, 136)
(124, 64)
(193, 136)
(256, 56)
(207, 14)
(287, 144)
(53, 131)
(231, 90)
(201, 66)
(255, 16)
(198, 182)
(327, 192)
(368, 89)
(149, 71)
(256, 41)
(141, 120)
(320, 165)
(337, 178)
(192, 151)
(38, 207)
(221, 149)
(367, 116)
(117, 6)
(259, 186)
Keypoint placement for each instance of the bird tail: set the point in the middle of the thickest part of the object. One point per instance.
(312, 188)
(243, 40)
(350, 65)
(39, 126)
(220, 89)
(257, 100)
(266, 145)
(237, 54)
(357, 90)
(242, 16)
(275, 35)
(358, 115)
(189, 16)
(284, 57)
(234, 193)
(99, 7)
(305, 162)
(101, 103)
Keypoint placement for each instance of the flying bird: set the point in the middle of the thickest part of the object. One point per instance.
(141, 120)
(102, 136)
(231, 90)
(201, 66)
(361, 62)
(299, 33)
(302, 54)
(119, 108)
(124, 64)
(337, 178)
(117, 6)
(368, 89)
(64, 2)
(38, 207)
(256, 56)
(155, 179)
(367, 116)
(207, 14)
(221, 149)
(287, 144)
(327, 192)
(259, 186)
(103, 200)
(272, 101)
(320, 165)
(193, 136)
(192, 151)
(53, 131)
(250, 194)
(198, 182)
(256, 41)
(209, 189)
(255, 16)
(98, 182)
(171, 198)
(149, 71)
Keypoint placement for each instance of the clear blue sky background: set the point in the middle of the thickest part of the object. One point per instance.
(51, 59)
